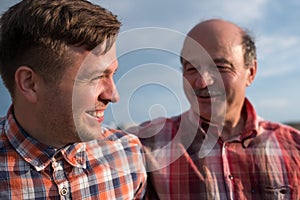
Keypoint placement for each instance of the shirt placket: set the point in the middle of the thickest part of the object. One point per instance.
(216, 162)
(60, 177)
(228, 176)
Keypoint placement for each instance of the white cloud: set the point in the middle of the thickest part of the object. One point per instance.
(277, 55)
(183, 14)
(150, 37)
(270, 45)
(238, 11)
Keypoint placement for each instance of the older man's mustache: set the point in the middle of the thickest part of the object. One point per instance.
(208, 92)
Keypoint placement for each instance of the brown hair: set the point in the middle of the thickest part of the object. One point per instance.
(38, 33)
(249, 48)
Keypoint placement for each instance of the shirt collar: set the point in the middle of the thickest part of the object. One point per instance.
(37, 154)
(251, 126)
(75, 154)
(249, 132)
(203, 126)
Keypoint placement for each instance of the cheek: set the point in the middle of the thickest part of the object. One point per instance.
(227, 81)
(233, 86)
(188, 82)
(85, 96)
(189, 91)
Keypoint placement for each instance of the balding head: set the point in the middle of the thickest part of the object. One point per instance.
(219, 32)
(216, 29)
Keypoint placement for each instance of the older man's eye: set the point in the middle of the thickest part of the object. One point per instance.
(188, 67)
(222, 68)
(97, 78)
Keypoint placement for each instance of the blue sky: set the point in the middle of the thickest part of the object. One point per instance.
(149, 75)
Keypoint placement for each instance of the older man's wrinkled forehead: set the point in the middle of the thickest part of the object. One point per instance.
(210, 34)
(216, 30)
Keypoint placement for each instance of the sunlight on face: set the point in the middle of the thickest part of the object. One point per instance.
(93, 90)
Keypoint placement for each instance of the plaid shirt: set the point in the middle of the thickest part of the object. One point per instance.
(99, 169)
(188, 161)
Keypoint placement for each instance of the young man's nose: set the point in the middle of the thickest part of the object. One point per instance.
(109, 92)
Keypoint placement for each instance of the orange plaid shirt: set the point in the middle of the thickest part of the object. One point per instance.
(263, 162)
(99, 169)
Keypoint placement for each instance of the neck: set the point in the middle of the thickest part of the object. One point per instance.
(29, 122)
(233, 128)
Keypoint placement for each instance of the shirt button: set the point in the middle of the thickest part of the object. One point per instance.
(57, 156)
(230, 177)
(283, 191)
(63, 191)
(79, 161)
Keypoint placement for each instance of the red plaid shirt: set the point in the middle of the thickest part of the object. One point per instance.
(187, 161)
(99, 169)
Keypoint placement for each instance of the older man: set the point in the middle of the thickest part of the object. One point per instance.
(220, 148)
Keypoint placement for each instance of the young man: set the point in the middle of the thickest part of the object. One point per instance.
(57, 59)
(220, 148)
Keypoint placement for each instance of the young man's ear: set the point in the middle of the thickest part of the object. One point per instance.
(25, 79)
(251, 73)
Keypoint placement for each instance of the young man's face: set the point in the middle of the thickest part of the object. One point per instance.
(76, 107)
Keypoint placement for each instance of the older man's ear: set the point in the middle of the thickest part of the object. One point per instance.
(251, 73)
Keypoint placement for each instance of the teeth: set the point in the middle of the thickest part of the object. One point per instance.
(99, 114)
(96, 114)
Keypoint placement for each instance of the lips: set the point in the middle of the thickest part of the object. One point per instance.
(208, 93)
(97, 114)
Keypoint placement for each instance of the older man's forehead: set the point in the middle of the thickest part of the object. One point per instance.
(192, 51)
